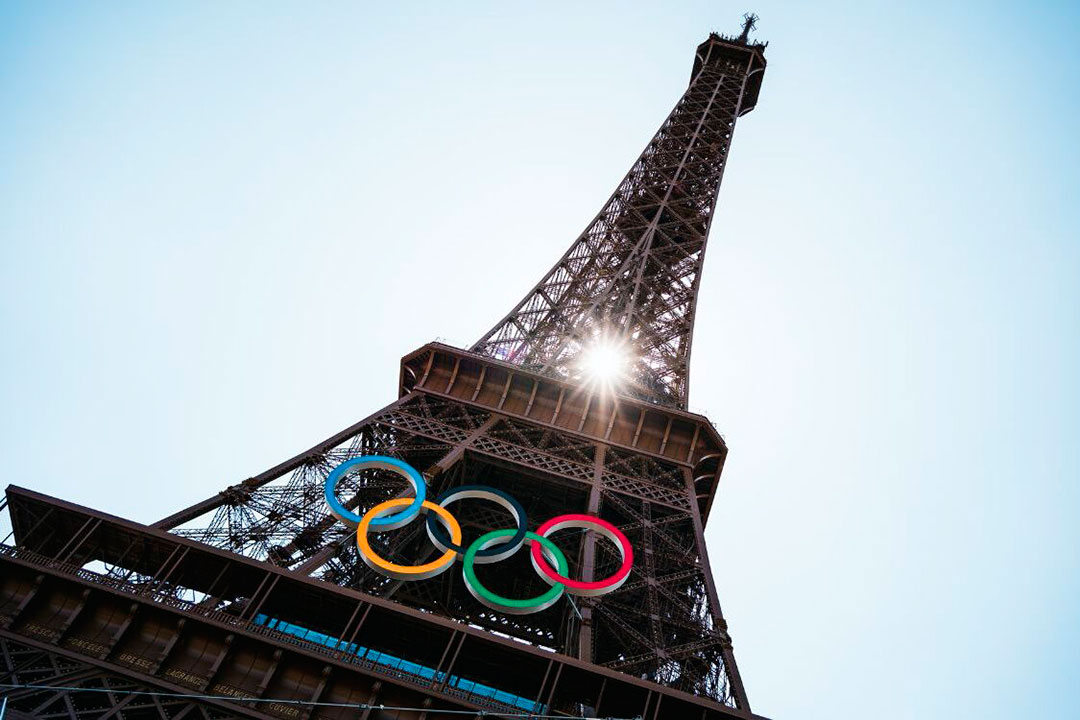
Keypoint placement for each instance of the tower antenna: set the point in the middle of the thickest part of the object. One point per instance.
(749, 23)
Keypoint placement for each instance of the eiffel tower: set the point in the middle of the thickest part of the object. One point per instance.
(255, 603)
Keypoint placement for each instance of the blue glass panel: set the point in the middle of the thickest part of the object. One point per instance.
(408, 666)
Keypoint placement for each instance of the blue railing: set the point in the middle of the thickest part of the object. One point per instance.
(402, 665)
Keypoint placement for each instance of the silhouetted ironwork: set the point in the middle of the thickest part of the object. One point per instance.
(632, 276)
(749, 23)
(258, 591)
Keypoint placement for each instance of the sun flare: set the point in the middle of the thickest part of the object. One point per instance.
(604, 363)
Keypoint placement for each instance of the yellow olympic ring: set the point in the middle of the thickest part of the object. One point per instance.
(407, 572)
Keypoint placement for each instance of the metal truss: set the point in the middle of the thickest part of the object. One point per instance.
(665, 625)
(632, 277)
(89, 692)
(96, 607)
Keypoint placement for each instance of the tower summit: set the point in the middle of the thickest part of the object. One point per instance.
(264, 602)
(626, 290)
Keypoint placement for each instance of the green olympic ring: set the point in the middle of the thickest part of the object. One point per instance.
(506, 605)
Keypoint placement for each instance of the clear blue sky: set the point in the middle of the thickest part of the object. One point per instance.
(221, 224)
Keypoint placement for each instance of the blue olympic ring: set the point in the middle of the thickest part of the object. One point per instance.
(390, 522)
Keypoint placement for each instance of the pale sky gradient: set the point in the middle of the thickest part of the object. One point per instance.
(222, 224)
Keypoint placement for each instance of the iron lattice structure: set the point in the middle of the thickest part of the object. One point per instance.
(94, 691)
(206, 587)
(633, 275)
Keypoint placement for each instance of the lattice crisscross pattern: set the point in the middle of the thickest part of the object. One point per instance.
(633, 274)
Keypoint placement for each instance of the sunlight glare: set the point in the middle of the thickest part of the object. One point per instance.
(604, 363)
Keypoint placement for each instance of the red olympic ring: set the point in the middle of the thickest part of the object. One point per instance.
(580, 587)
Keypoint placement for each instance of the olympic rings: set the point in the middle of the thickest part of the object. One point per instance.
(508, 605)
(394, 465)
(406, 572)
(578, 587)
(444, 531)
(481, 492)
